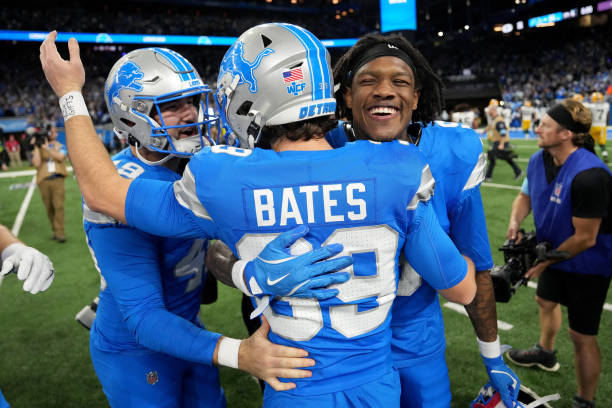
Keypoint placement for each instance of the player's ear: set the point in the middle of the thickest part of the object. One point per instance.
(415, 101)
(348, 98)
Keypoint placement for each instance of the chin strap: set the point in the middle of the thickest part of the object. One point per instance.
(145, 161)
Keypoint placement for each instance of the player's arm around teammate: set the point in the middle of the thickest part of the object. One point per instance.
(105, 190)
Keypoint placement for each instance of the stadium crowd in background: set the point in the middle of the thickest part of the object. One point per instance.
(524, 73)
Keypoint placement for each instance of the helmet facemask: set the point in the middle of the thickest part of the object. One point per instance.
(138, 86)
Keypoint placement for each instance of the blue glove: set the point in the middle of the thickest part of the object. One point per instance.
(275, 272)
(503, 380)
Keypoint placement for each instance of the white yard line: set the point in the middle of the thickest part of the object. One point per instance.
(12, 174)
(504, 186)
(24, 207)
(20, 173)
(501, 325)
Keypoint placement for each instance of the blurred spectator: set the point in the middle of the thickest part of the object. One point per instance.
(49, 159)
(14, 151)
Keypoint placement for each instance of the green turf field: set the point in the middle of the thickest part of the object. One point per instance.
(44, 356)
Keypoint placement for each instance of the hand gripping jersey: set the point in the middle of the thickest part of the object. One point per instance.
(377, 209)
(147, 282)
(455, 155)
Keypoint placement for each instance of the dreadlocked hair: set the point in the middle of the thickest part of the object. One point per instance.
(426, 81)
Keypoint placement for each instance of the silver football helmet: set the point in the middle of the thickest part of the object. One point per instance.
(142, 80)
(273, 74)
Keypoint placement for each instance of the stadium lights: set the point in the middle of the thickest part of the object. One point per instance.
(105, 38)
(440, 34)
(467, 27)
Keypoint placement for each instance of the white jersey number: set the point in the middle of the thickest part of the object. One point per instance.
(409, 280)
(307, 319)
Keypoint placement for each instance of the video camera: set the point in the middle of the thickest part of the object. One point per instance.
(519, 258)
(38, 135)
(40, 138)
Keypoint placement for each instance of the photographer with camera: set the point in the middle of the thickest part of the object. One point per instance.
(569, 190)
(48, 158)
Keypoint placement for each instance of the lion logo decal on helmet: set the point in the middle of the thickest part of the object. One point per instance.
(234, 63)
(127, 77)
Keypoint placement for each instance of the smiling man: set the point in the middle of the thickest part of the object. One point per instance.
(388, 91)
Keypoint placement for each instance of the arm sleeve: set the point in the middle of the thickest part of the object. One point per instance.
(152, 206)
(591, 194)
(525, 187)
(469, 229)
(501, 127)
(132, 274)
(431, 252)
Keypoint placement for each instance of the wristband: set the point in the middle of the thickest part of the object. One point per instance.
(238, 277)
(489, 349)
(73, 104)
(228, 352)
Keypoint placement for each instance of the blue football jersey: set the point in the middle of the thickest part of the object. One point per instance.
(362, 196)
(455, 155)
(148, 282)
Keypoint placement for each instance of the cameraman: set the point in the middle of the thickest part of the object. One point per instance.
(49, 157)
(569, 189)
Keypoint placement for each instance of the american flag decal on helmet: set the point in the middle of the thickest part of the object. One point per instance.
(292, 75)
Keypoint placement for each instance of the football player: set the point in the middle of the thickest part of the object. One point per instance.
(388, 91)
(464, 115)
(600, 112)
(276, 82)
(527, 118)
(487, 110)
(147, 344)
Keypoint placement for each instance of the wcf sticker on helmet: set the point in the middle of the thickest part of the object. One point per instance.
(295, 78)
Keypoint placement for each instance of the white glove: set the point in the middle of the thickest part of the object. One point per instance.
(32, 266)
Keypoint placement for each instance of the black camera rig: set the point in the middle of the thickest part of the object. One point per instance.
(519, 257)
